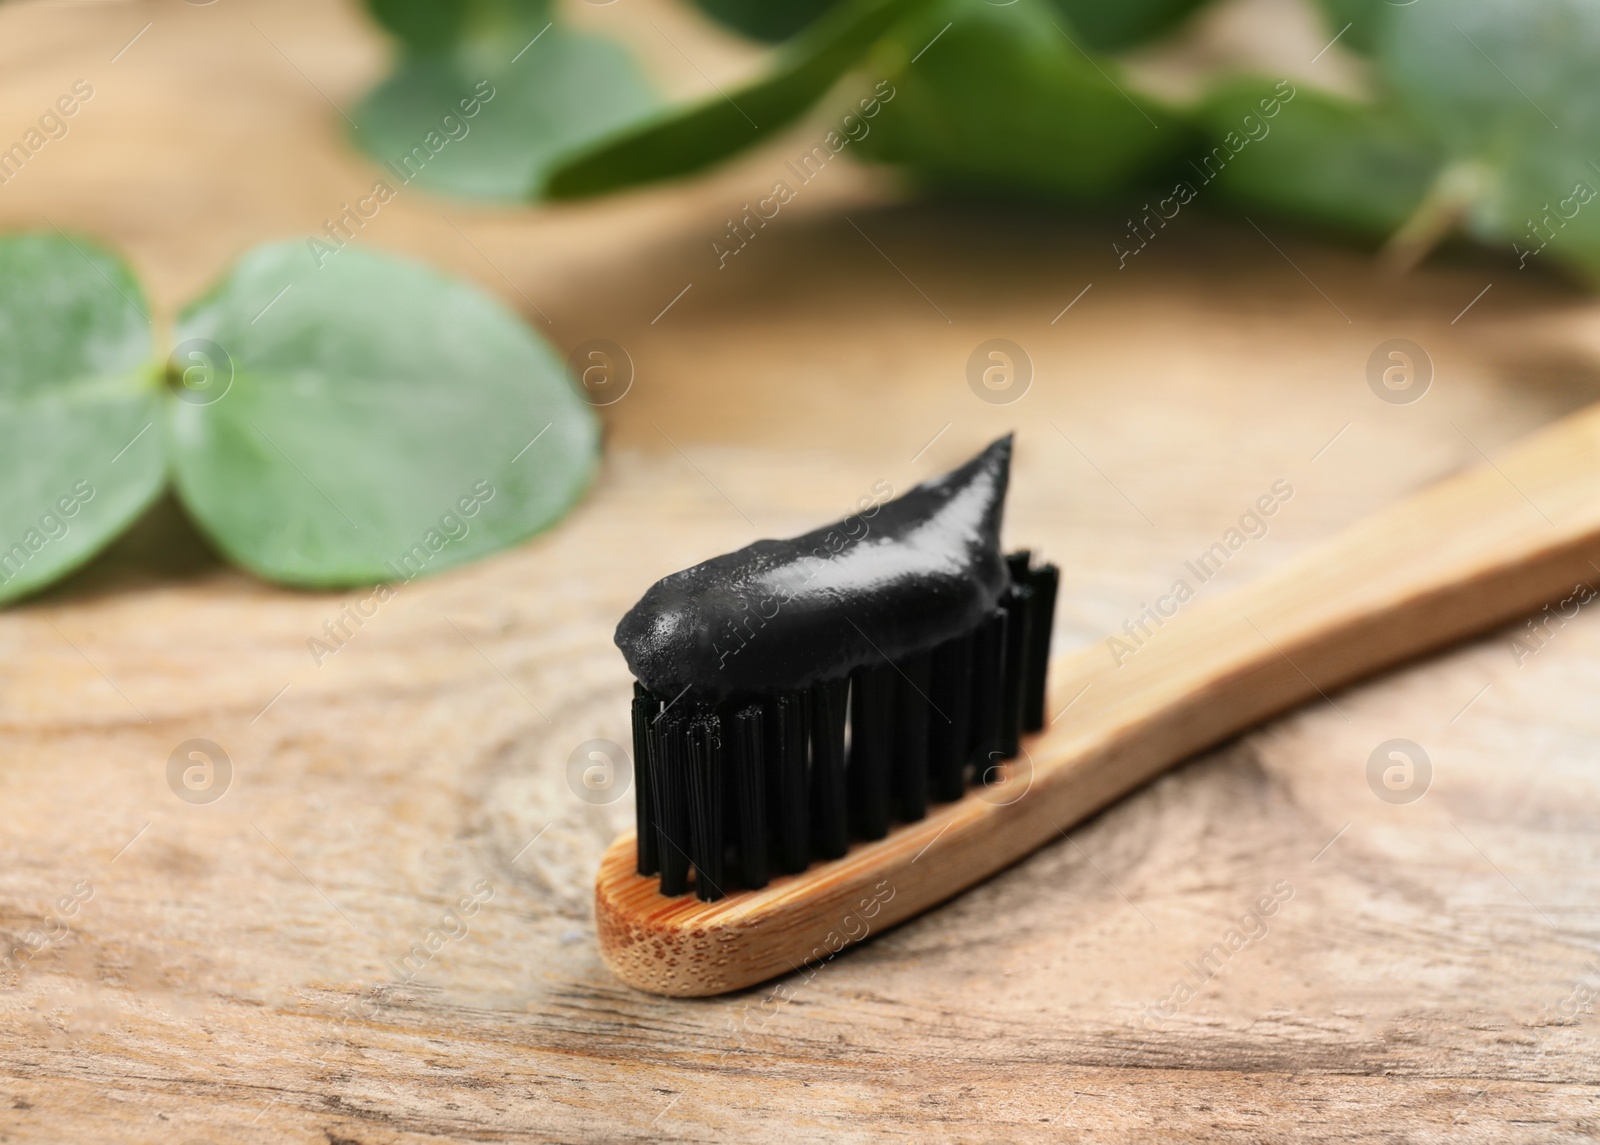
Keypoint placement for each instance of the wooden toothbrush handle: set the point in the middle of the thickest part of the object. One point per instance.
(1479, 550)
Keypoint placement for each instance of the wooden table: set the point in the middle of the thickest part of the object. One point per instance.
(233, 973)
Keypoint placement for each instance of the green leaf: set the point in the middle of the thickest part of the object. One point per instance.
(689, 140)
(1005, 100)
(1508, 88)
(768, 20)
(431, 27)
(1317, 157)
(421, 25)
(80, 451)
(1355, 22)
(474, 130)
(1499, 78)
(1110, 27)
(378, 422)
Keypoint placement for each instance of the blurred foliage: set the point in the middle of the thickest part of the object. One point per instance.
(684, 141)
(771, 21)
(77, 459)
(1110, 27)
(492, 132)
(1355, 22)
(488, 93)
(1483, 116)
(465, 27)
(374, 423)
(380, 421)
(1509, 90)
(1004, 100)
(1350, 166)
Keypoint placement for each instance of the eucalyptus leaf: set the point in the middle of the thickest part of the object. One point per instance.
(686, 140)
(421, 25)
(466, 124)
(1110, 27)
(432, 27)
(1007, 100)
(1319, 158)
(1508, 89)
(381, 420)
(80, 446)
(768, 20)
(1355, 22)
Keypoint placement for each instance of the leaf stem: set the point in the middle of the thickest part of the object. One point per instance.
(1459, 187)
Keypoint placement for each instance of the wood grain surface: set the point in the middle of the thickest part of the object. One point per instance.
(246, 970)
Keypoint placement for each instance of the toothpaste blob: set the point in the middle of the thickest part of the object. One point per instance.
(780, 616)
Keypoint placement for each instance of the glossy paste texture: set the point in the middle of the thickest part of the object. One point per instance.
(777, 616)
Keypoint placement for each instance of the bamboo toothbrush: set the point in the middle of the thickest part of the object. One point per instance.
(1478, 550)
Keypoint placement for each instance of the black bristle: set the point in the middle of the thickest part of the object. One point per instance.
(669, 772)
(830, 829)
(755, 788)
(748, 746)
(1045, 580)
(1018, 606)
(872, 692)
(949, 723)
(908, 783)
(645, 707)
(988, 688)
(788, 782)
(706, 819)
